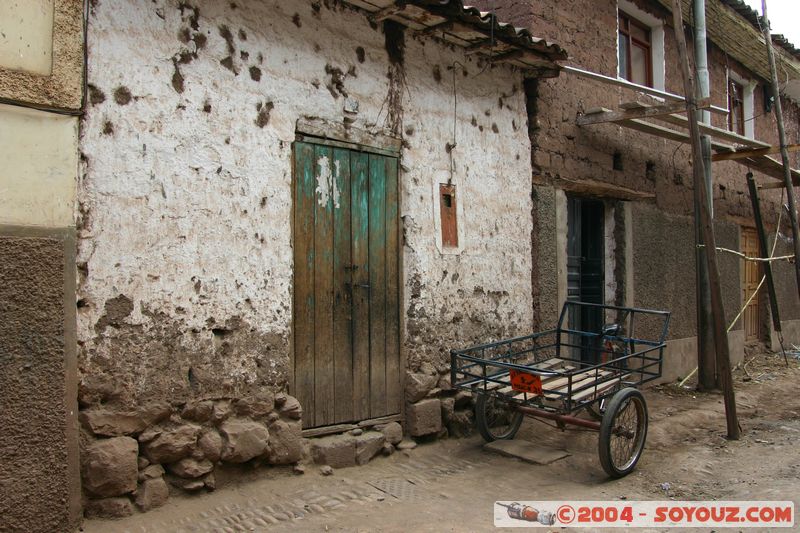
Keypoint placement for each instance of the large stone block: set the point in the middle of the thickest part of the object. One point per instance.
(393, 432)
(210, 444)
(418, 386)
(368, 445)
(243, 440)
(152, 493)
(190, 468)
(170, 445)
(110, 467)
(288, 406)
(337, 451)
(285, 442)
(257, 406)
(424, 417)
(198, 411)
(108, 423)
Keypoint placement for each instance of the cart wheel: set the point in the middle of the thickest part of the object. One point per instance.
(623, 432)
(495, 418)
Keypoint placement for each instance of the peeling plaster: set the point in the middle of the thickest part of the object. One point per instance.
(189, 207)
(327, 187)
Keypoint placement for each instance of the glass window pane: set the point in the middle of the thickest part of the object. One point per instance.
(623, 56)
(638, 65)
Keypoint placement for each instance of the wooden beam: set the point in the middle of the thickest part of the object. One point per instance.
(386, 12)
(772, 185)
(619, 82)
(511, 55)
(599, 188)
(436, 28)
(743, 154)
(480, 46)
(670, 134)
(770, 167)
(633, 112)
(718, 133)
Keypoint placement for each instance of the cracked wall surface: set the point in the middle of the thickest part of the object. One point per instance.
(185, 198)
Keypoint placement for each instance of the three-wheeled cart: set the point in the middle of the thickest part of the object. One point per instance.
(561, 373)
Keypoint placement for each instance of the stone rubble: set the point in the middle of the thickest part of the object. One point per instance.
(243, 440)
(110, 467)
(136, 455)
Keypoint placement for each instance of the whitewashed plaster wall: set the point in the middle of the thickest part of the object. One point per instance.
(185, 198)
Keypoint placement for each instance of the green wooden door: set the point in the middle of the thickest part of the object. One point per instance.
(346, 285)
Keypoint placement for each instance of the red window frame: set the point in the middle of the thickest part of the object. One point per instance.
(447, 209)
(625, 23)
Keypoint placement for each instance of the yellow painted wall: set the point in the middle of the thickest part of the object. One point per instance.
(26, 35)
(40, 164)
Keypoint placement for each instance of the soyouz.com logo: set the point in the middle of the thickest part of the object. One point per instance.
(668, 513)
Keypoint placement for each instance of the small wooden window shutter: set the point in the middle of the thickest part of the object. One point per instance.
(447, 205)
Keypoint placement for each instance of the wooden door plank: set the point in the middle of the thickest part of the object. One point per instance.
(394, 392)
(323, 287)
(304, 279)
(377, 285)
(359, 189)
(342, 297)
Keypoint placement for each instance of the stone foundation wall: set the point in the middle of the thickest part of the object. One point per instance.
(134, 459)
(134, 456)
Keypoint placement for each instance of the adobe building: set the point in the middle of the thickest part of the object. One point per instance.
(239, 230)
(637, 248)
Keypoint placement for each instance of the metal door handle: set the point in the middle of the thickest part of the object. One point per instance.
(362, 285)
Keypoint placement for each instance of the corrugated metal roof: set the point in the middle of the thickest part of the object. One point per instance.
(478, 31)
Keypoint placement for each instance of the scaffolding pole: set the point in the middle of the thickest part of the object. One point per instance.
(707, 228)
(787, 171)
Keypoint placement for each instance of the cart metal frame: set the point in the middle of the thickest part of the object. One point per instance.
(554, 374)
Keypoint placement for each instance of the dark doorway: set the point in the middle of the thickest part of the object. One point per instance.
(585, 273)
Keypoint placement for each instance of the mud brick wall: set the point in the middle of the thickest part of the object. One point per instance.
(588, 30)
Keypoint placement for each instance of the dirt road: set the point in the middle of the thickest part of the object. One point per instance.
(451, 485)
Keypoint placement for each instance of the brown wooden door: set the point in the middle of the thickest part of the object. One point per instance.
(346, 285)
(751, 279)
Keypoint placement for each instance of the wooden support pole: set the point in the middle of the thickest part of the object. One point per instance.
(762, 247)
(707, 230)
(787, 171)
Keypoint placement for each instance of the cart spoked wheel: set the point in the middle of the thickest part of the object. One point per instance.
(623, 432)
(496, 418)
